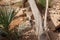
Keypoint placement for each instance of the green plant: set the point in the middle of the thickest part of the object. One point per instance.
(6, 16)
(42, 2)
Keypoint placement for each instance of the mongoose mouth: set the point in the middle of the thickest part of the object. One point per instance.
(57, 29)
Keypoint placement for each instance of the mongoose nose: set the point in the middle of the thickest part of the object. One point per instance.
(3, 34)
